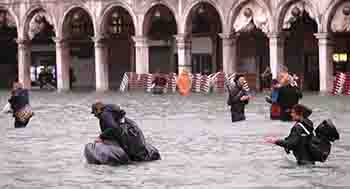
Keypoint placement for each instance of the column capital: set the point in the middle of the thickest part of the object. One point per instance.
(99, 41)
(60, 42)
(228, 39)
(324, 38)
(140, 41)
(323, 35)
(22, 42)
(182, 41)
(181, 37)
(276, 35)
(276, 38)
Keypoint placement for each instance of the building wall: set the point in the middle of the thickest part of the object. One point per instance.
(268, 15)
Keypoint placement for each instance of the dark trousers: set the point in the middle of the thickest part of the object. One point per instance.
(20, 124)
(237, 116)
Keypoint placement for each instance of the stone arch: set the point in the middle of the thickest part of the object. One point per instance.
(13, 16)
(28, 18)
(151, 7)
(110, 7)
(60, 31)
(188, 9)
(285, 7)
(236, 10)
(8, 47)
(331, 12)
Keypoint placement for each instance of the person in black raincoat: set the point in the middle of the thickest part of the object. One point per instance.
(298, 140)
(238, 98)
(116, 127)
(289, 95)
(159, 84)
(19, 101)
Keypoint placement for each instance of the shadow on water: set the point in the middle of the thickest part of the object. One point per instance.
(199, 145)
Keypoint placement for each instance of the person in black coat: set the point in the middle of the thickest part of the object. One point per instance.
(19, 102)
(116, 127)
(159, 84)
(238, 98)
(289, 95)
(297, 140)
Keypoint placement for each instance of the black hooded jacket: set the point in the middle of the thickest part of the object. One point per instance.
(288, 96)
(126, 133)
(237, 106)
(297, 141)
(19, 99)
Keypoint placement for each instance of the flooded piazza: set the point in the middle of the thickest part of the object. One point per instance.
(199, 145)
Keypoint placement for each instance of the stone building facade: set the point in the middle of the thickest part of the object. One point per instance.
(101, 39)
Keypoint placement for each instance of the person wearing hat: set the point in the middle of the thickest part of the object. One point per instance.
(298, 139)
(115, 126)
(238, 98)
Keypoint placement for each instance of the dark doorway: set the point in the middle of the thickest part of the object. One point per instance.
(301, 50)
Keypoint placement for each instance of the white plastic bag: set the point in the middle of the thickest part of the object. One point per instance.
(7, 109)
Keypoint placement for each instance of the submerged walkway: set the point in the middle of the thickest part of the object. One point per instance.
(199, 145)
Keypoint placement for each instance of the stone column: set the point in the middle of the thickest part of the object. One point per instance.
(101, 64)
(183, 53)
(326, 48)
(229, 53)
(62, 64)
(276, 53)
(142, 54)
(24, 62)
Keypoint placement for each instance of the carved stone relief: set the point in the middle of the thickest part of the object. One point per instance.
(294, 12)
(251, 16)
(38, 23)
(341, 19)
(6, 20)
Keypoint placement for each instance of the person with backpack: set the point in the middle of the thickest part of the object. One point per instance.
(122, 133)
(299, 137)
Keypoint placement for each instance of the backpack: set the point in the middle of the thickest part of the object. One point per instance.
(320, 143)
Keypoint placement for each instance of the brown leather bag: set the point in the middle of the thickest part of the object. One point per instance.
(24, 114)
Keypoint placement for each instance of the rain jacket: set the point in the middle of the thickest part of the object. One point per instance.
(297, 141)
(237, 106)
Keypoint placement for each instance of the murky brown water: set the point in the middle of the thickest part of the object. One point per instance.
(199, 145)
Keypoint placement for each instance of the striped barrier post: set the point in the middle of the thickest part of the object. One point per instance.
(196, 83)
(338, 83)
(133, 81)
(149, 83)
(346, 85)
(124, 84)
(172, 82)
(205, 84)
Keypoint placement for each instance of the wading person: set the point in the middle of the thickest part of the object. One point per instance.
(184, 83)
(19, 101)
(299, 138)
(122, 133)
(288, 95)
(238, 98)
(159, 84)
(275, 110)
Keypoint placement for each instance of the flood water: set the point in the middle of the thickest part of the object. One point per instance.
(199, 145)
